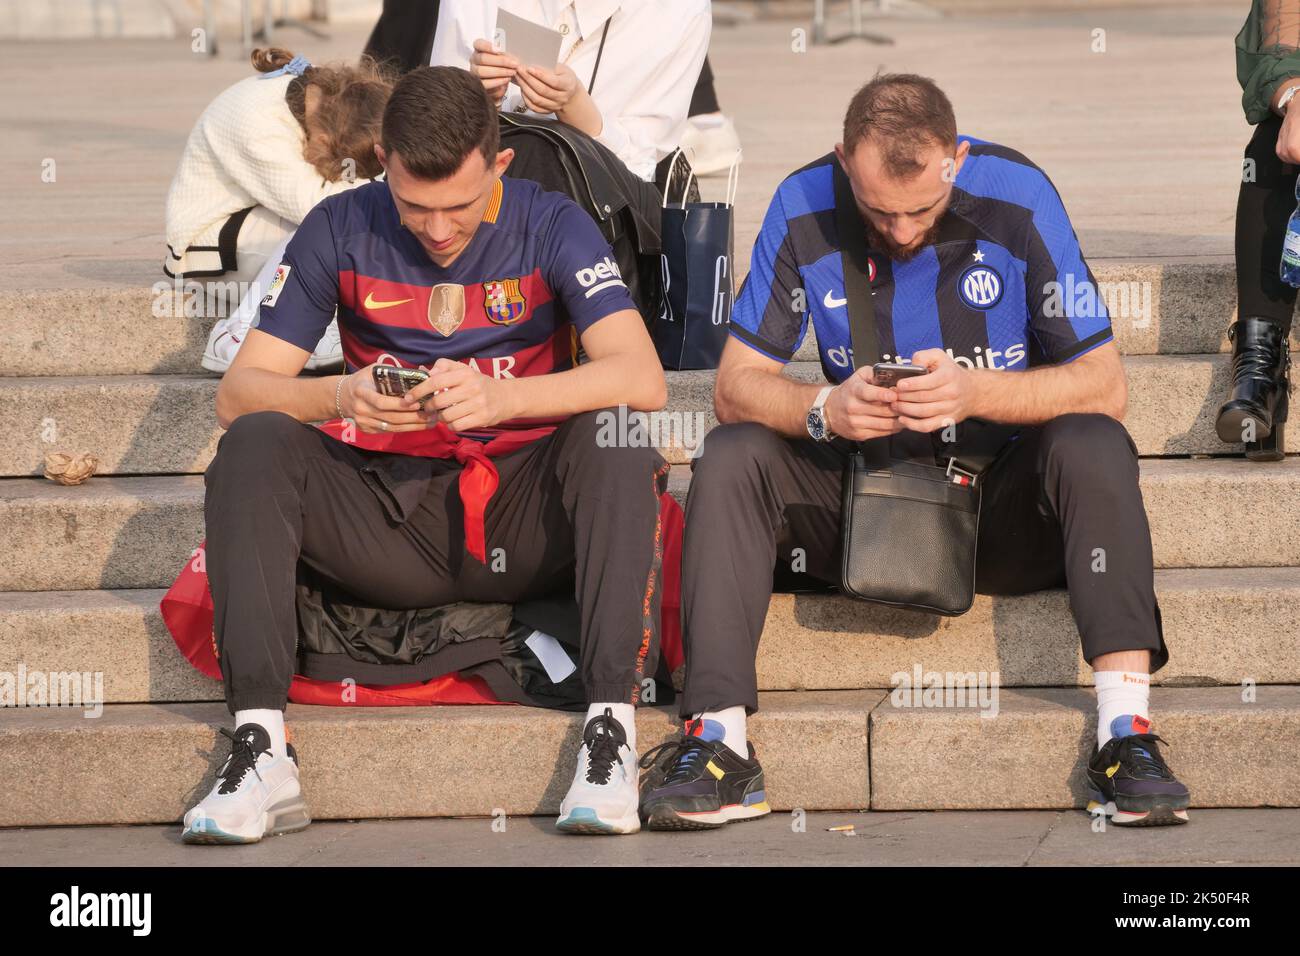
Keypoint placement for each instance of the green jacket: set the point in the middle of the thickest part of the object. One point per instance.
(1262, 64)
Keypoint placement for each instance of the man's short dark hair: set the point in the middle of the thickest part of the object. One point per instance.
(903, 114)
(436, 117)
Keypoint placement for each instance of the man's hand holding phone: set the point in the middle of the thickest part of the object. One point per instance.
(944, 396)
(860, 410)
(373, 411)
(461, 397)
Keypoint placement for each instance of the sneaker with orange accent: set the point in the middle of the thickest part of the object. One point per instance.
(1130, 782)
(696, 782)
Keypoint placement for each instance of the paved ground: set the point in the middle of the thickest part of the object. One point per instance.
(1143, 140)
(1009, 838)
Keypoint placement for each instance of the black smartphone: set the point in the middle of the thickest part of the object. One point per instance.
(887, 374)
(391, 380)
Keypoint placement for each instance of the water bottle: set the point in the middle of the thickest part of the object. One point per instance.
(1290, 269)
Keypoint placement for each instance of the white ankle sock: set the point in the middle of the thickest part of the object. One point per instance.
(708, 121)
(732, 720)
(625, 714)
(1120, 693)
(272, 721)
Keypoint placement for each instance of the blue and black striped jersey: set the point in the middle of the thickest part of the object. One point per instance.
(1004, 286)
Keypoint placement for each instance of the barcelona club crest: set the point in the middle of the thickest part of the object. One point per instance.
(447, 307)
(503, 301)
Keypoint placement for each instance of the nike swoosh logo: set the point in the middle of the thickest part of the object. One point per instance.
(373, 303)
(833, 303)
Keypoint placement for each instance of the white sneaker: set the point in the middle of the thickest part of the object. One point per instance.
(228, 334)
(711, 143)
(256, 794)
(224, 341)
(329, 351)
(603, 797)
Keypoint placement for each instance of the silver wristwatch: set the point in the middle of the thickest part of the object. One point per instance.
(818, 428)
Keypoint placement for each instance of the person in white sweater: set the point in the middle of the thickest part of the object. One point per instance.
(261, 155)
(626, 73)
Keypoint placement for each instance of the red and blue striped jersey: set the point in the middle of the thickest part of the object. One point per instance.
(536, 274)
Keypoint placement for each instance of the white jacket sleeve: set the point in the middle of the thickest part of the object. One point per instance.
(460, 23)
(651, 124)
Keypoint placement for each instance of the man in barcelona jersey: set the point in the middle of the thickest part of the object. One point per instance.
(486, 482)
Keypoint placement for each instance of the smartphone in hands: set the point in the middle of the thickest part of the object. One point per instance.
(391, 380)
(888, 374)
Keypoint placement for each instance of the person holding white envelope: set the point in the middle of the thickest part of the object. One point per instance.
(624, 72)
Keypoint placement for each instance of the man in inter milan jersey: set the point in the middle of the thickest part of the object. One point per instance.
(977, 277)
(485, 482)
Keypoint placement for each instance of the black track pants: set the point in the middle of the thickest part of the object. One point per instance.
(1264, 204)
(567, 514)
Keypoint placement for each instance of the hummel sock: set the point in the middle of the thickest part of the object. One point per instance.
(625, 714)
(1119, 693)
(732, 720)
(272, 721)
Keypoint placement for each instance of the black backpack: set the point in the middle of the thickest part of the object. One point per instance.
(627, 208)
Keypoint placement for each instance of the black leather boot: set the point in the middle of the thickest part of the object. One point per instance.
(1257, 405)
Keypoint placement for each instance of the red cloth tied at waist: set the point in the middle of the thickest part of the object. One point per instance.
(478, 478)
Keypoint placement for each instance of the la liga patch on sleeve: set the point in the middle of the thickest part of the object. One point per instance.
(277, 284)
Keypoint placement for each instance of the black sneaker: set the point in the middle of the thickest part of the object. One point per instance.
(696, 782)
(1131, 783)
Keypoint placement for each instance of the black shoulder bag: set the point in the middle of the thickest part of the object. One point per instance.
(909, 529)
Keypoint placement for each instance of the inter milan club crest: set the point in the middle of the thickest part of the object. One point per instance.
(503, 301)
(980, 287)
(447, 307)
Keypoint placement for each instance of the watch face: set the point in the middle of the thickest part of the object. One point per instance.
(816, 427)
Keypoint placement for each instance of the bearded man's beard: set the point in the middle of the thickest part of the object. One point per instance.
(877, 240)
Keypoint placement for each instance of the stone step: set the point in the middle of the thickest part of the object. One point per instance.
(117, 634)
(1156, 307)
(1222, 626)
(1229, 752)
(63, 769)
(106, 533)
(98, 332)
(166, 424)
(134, 424)
(135, 532)
(147, 763)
